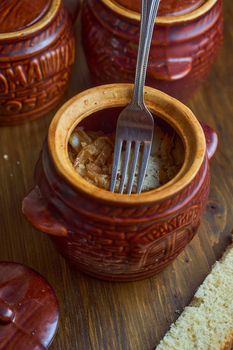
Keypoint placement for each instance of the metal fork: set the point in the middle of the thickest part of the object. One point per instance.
(135, 123)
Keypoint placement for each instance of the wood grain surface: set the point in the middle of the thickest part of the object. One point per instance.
(98, 315)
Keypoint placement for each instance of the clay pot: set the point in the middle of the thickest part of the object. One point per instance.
(37, 51)
(166, 7)
(183, 47)
(112, 236)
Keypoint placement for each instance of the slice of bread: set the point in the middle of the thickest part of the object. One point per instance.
(207, 323)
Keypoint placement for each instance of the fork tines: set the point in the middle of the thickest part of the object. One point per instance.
(127, 167)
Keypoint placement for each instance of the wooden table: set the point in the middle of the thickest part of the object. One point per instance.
(130, 316)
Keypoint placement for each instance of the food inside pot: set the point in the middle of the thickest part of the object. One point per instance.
(91, 153)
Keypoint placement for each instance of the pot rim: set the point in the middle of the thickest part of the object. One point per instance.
(102, 97)
(163, 20)
(37, 26)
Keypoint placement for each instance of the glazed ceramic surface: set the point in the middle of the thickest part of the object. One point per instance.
(36, 55)
(28, 309)
(166, 8)
(183, 46)
(105, 234)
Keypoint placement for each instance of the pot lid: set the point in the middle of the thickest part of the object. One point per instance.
(20, 14)
(28, 309)
(127, 8)
(166, 8)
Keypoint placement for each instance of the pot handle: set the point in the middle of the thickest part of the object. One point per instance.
(73, 7)
(171, 69)
(211, 140)
(36, 210)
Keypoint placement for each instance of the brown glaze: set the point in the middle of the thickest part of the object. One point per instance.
(108, 235)
(28, 309)
(35, 60)
(183, 47)
(166, 7)
(17, 15)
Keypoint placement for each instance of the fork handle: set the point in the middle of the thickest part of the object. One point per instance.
(149, 9)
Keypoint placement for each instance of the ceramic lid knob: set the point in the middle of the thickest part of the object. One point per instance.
(28, 309)
(6, 312)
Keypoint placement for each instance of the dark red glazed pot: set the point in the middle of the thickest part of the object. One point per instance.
(37, 52)
(184, 46)
(112, 236)
(166, 8)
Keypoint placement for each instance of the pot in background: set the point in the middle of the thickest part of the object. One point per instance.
(104, 234)
(184, 46)
(166, 7)
(37, 51)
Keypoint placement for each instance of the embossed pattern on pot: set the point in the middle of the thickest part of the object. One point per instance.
(118, 243)
(35, 77)
(180, 57)
(107, 235)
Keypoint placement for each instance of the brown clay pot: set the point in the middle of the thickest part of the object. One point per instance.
(166, 7)
(37, 52)
(108, 235)
(183, 46)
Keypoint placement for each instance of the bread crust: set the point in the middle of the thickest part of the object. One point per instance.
(228, 345)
